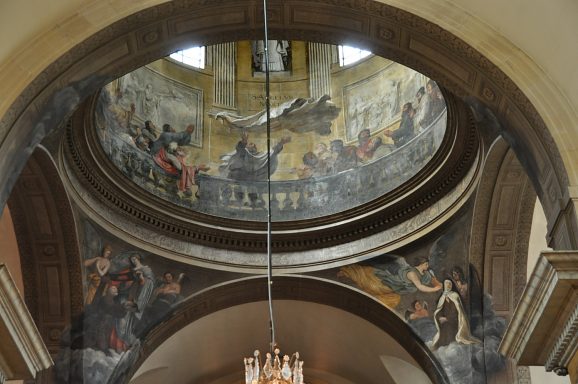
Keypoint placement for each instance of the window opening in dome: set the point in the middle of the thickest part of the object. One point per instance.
(349, 55)
(195, 57)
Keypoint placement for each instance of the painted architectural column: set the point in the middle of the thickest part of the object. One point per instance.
(319, 69)
(224, 66)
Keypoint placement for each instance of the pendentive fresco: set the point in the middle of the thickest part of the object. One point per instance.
(437, 291)
(127, 291)
(431, 285)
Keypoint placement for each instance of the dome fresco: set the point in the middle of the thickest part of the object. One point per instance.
(372, 127)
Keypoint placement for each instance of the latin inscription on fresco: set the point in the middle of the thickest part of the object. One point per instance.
(257, 102)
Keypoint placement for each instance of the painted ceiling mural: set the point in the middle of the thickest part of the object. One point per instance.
(127, 291)
(430, 284)
(380, 124)
(436, 290)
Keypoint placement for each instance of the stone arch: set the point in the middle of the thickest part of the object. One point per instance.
(500, 234)
(48, 245)
(501, 227)
(300, 288)
(154, 32)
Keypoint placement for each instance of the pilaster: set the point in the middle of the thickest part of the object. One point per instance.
(223, 58)
(319, 69)
(22, 351)
(563, 222)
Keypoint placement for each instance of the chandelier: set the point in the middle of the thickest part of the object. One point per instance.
(290, 369)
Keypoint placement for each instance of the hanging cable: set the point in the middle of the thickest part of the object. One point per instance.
(268, 115)
(290, 369)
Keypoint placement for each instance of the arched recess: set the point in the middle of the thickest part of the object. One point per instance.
(500, 234)
(388, 31)
(305, 289)
(49, 253)
(501, 227)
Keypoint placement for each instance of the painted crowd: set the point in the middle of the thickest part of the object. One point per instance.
(158, 156)
(336, 156)
(124, 298)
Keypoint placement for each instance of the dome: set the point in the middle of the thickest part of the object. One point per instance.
(375, 125)
(355, 149)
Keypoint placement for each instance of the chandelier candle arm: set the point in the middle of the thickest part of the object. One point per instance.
(289, 371)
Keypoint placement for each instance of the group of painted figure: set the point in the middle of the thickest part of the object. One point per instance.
(339, 157)
(123, 299)
(387, 284)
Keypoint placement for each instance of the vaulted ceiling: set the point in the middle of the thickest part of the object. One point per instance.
(493, 89)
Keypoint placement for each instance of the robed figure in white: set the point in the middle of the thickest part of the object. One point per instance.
(450, 320)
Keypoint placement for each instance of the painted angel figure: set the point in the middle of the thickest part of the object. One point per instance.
(418, 310)
(388, 281)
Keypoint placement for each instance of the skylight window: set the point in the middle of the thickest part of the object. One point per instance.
(350, 55)
(195, 57)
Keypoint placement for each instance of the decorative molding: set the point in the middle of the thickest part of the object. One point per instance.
(549, 303)
(255, 261)
(566, 345)
(22, 352)
(491, 167)
(499, 241)
(522, 240)
(523, 375)
(507, 235)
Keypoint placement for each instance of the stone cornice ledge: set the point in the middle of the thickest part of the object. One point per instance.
(22, 351)
(544, 328)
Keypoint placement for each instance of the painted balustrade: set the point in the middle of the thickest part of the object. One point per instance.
(319, 196)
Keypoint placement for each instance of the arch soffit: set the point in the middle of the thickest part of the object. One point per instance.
(501, 227)
(48, 246)
(154, 32)
(300, 288)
